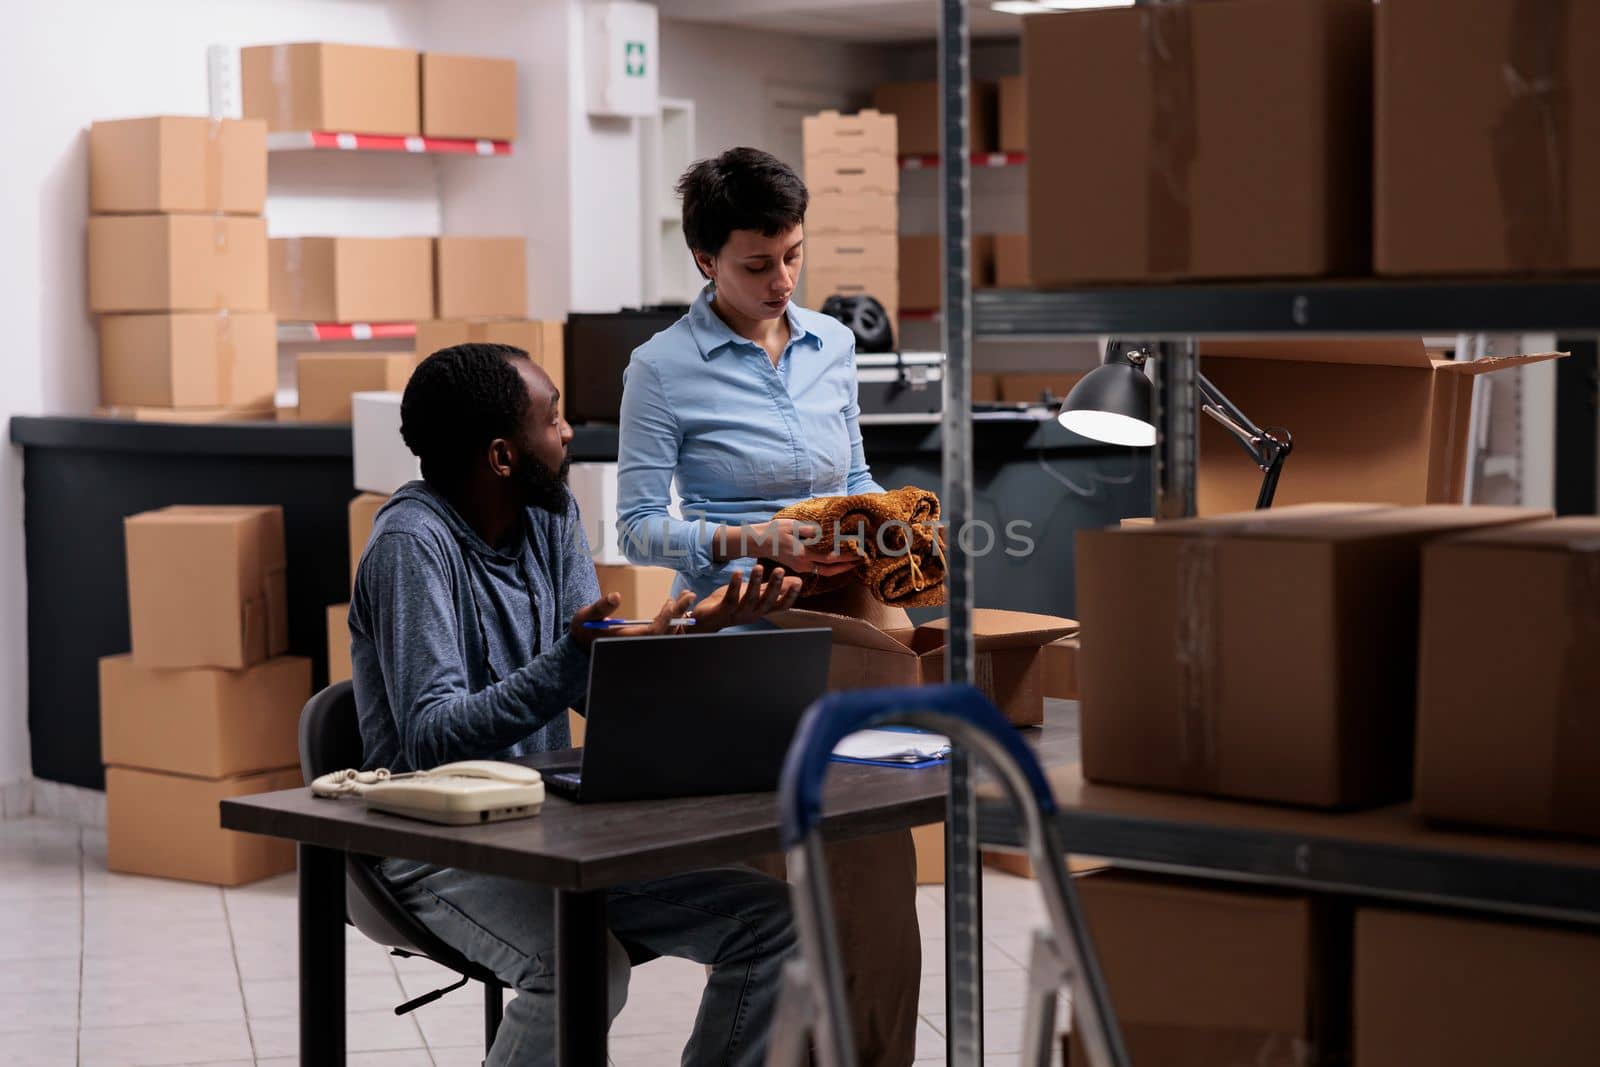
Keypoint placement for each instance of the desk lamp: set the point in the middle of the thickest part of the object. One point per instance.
(1112, 404)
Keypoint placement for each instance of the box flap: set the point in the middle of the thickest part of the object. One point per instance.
(846, 631)
(1490, 364)
(1347, 522)
(1236, 521)
(994, 629)
(1383, 352)
(1575, 533)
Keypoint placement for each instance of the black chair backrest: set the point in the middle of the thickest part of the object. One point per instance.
(330, 733)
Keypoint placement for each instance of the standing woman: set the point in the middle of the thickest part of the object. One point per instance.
(750, 403)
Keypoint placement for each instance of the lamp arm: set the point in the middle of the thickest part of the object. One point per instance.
(1269, 448)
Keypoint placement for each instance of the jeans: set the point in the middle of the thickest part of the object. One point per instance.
(734, 919)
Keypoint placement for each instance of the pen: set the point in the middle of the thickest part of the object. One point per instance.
(610, 624)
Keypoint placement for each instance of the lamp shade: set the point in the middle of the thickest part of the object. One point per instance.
(1111, 404)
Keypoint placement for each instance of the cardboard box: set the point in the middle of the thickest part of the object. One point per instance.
(854, 214)
(1008, 645)
(866, 133)
(174, 163)
(1034, 388)
(1265, 655)
(830, 175)
(643, 589)
(481, 276)
(1257, 165)
(363, 511)
(577, 726)
(1020, 865)
(187, 360)
(915, 106)
(1013, 114)
(202, 721)
(187, 416)
(352, 279)
(928, 841)
(383, 463)
(1061, 669)
(177, 263)
(328, 381)
(1448, 991)
(852, 251)
(339, 669)
(206, 586)
(881, 283)
(341, 87)
(469, 96)
(1373, 420)
(985, 388)
(168, 826)
(1544, 774)
(1208, 976)
(1011, 261)
(921, 259)
(1521, 197)
(541, 340)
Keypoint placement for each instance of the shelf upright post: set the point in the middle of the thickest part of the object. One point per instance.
(1177, 451)
(963, 902)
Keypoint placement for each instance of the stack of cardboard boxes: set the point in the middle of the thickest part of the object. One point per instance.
(206, 706)
(178, 268)
(853, 175)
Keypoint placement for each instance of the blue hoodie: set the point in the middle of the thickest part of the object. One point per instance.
(460, 650)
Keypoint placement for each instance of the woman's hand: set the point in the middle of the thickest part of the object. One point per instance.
(736, 603)
(602, 609)
(791, 543)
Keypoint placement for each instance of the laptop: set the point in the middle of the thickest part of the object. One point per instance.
(693, 716)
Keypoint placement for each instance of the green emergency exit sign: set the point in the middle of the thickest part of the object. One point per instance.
(635, 59)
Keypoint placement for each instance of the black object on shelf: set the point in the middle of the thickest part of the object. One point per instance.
(1112, 403)
(1373, 306)
(598, 347)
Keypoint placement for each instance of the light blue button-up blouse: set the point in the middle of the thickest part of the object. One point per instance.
(743, 438)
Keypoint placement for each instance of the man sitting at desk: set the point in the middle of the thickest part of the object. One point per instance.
(467, 641)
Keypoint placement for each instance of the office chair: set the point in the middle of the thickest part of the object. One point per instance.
(330, 740)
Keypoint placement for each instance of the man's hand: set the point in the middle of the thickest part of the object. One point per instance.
(602, 609)
(737, 603)
(791, 543)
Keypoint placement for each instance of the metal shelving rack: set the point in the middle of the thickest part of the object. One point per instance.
(1385, 853)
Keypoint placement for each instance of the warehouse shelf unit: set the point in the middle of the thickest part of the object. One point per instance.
(313, 332)
(329, 140)
(978, 159)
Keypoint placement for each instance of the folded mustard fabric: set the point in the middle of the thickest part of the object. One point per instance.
(895, 536)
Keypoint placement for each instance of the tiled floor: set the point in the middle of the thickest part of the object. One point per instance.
(108, 970)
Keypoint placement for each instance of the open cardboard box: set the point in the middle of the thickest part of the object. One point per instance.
(1009, 647)
(1379, 420)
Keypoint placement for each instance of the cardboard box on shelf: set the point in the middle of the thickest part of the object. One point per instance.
(187, 416)
(363, 511)
(985, 388)
(469, 96)
(921, 259)
(542, 340)
(577, 726)
(339, 669)
(202, 721)
(166, 826)
(1267, 173)
(383, 463)
(866, 133)
(928, 841)
(1013, 114)
(643, 589)
(915, 106)
(854, 214)
(880, 283)
(1450, 991)
(1011, 261)
(1470, 768)
(1008, 644)
(327, 381)
(1264, 655)
(206, 586)
(352, 279)
(178, 163)
(1513, 101)
(189, 360)
(1034, 388)
(1204, 975)
(1061, 669)
(1408, 445)
(481, 277)
(341, 87)
(177, 263)
(852, 251)
(832, 175)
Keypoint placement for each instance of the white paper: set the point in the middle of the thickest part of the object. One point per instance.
(894, 745)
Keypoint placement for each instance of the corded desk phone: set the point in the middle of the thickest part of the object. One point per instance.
(459, 794)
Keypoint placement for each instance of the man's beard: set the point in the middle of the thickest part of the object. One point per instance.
(542, 487)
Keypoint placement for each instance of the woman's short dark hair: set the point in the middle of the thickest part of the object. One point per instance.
(457, 401)
(742, 189)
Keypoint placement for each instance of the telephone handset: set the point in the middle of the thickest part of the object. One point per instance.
(471, 791)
